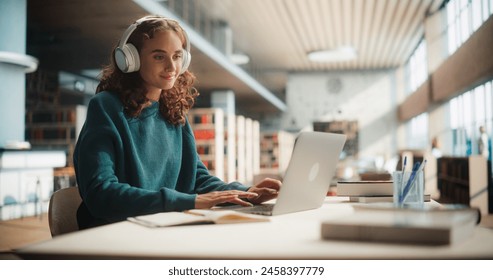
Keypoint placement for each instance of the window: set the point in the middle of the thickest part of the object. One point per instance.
(417, 70)
(477, 17)
(463, 18)
(468, 112)
(417, 132)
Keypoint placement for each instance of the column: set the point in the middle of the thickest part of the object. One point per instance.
(14, 64)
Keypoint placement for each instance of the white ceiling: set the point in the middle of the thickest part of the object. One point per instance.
(276, 34)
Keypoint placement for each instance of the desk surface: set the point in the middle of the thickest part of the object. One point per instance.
(290, 236)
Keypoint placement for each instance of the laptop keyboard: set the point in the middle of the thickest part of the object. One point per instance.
(262, 209)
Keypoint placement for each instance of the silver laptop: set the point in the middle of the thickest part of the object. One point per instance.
(308, 176)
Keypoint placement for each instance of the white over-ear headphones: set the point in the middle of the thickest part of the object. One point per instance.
(126, 54)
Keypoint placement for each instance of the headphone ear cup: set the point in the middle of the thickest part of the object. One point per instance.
(187, 58)
(127, 58)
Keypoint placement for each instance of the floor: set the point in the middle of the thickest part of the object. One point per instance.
(21, 232)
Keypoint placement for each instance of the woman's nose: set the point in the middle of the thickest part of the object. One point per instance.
(169, 65)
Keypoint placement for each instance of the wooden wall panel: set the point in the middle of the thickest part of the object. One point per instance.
(470, 65)
(416, 103)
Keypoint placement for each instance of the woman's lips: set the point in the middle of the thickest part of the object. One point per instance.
(171, 77)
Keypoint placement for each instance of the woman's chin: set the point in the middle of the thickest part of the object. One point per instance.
(168, 85)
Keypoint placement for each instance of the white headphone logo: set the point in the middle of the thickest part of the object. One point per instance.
(127, 56)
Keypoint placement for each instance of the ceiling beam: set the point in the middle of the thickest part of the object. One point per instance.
(200, 43)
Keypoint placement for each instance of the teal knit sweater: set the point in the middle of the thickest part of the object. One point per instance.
(133, 166)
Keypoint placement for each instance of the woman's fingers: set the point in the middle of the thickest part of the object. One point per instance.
(240, 202)
(269, 183)
(211, 199)
(236, 198)
(267, 191)
(234, 194)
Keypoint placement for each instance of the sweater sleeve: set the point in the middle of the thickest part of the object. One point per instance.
(207, 182)
(96, 160)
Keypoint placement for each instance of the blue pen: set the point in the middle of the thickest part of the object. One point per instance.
(417, 168)
(408, 185)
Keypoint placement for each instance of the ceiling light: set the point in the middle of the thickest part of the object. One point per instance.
(239, 58)
(344, 53)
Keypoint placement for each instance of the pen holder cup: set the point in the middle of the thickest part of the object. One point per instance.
(408, 191)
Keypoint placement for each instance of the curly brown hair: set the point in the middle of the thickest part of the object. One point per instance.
(174, 103)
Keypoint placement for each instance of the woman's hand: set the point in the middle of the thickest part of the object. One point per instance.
(208, 200)
(266, 190)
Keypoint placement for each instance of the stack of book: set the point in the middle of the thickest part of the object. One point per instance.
(368, 191)
(429, 226)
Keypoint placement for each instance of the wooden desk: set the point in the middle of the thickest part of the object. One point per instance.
(290, 236)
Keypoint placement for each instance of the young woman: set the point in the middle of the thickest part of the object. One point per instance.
(136, 153)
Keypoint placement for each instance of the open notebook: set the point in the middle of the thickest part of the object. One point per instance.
(194, 217)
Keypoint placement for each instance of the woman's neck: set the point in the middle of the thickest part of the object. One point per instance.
(153, 95)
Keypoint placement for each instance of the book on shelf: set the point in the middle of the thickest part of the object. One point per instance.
(196, 217)
(380, 198)
(365, 188)
(204, 134)
(403, 226)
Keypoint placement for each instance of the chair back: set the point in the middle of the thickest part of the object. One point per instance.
(62, 212)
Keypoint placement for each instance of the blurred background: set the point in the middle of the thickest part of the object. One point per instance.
(400, 78)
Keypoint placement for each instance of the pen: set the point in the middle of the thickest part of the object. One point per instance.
(403, 172)
(417, 168)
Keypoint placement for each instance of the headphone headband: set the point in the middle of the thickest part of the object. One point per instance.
(127, 56)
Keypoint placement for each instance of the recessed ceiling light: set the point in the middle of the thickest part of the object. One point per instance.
(344, 53)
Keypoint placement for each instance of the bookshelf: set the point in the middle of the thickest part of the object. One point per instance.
(42, 87)
(464, 180)
(248, 150)
(208, 128)
(349, 128)
(256, 147)
(276, 148)
(240, 149)
(230, 148)
(55, 127)
(252, 150)
(228, 145)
